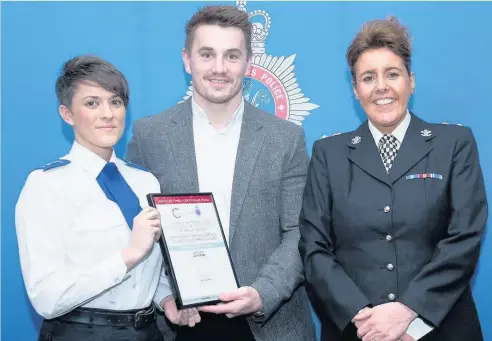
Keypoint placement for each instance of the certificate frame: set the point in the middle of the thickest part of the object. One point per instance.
(152, 199)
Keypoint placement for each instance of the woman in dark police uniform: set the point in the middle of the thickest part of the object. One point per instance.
(393, 212)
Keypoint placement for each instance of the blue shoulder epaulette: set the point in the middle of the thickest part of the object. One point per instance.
(54, 164)
(129, 164)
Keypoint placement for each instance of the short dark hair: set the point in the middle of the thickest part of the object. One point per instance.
(382, 33)
(221, 15)
(93, 69)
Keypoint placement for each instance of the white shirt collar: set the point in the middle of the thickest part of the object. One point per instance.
(399, 131)
(92, 162)
(200, 114)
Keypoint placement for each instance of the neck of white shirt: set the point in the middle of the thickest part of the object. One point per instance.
(88, 159)
(103, 153)
(399, 131)
(219, 114)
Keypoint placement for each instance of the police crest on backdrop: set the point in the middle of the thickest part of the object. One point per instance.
(270, 83)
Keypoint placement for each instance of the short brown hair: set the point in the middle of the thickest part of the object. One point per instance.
(90, 68)
(383, 33)
(224, 16)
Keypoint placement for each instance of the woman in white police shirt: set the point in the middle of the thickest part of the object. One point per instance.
(88, 251)
(393, 212)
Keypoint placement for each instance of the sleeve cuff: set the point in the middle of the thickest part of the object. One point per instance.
(418, 329)
(267, 294)
(163, 289)
(161, 294)
(259, 316)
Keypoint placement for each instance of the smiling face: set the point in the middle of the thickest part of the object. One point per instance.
(217, 61)
(97, 117)
(383, 87)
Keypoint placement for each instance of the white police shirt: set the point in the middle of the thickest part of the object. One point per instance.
(70, 239)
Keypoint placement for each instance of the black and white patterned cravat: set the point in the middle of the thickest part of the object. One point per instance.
(388, 148)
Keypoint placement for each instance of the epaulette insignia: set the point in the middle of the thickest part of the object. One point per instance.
(54, 164)
(447, 123)
(129, 164)
(325, 136)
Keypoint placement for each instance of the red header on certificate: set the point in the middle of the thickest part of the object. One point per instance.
(182, 199)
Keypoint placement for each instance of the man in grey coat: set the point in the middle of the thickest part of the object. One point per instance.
(255, 165)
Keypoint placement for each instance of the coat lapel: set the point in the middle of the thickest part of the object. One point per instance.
(414, 148)
(250, 142)
(364, 153)
(180, 138)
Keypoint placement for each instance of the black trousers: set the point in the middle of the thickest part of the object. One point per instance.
(56, 330)
(216, 328)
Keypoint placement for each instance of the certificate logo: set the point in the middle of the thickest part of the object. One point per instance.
(175, 213)
(270, 83)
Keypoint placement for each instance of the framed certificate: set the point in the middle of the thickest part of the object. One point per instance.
(195, 248)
